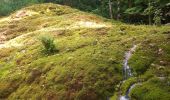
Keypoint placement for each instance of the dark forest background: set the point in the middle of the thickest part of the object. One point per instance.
(130, 11)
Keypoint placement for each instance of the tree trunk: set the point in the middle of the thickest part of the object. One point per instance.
(110, 9)
(118, 10)
(130, 6)
(150, 20)
(130, 3)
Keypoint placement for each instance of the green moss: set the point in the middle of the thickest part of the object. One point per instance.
(154, 89)
(126, 85)
(89, 64)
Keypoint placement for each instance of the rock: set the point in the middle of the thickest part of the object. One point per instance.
(161, 67)
(160, 51)
(161, 77)
(163, 63)
(2, 39)
(153, 64)
(23, 51)
(151, 44)
(168, 24)
(33, 75)
(20, 14)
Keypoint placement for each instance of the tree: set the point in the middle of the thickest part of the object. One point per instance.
(133, 11)
(110, 9)
(118, 10)
(149, 6)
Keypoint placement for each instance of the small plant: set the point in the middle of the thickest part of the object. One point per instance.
(48, 44)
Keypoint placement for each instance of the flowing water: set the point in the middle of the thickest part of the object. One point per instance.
(127, 73)
(126, 97)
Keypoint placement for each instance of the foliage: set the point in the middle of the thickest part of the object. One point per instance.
(158, 17)
(132, 11)
(8, 6)
(48, 43)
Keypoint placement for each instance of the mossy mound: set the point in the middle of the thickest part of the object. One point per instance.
(89, 62)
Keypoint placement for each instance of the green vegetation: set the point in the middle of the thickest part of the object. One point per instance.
(89, 64)
(154, 89)
(8, 6)
(130, 11)
(48, 44)
(126, 85)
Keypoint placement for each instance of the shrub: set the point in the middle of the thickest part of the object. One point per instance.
(157, 17)
(48, 44)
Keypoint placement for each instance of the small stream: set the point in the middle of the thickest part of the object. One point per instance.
(127, 73)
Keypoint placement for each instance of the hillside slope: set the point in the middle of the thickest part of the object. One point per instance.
(89, 63)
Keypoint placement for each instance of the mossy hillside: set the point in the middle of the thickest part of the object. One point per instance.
(154, 89)
(151, 64)
(89, 61)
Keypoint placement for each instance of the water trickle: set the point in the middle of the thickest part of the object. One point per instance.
(126, 69)
(127, 73)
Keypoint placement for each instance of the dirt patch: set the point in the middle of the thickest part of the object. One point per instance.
(23, 13)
